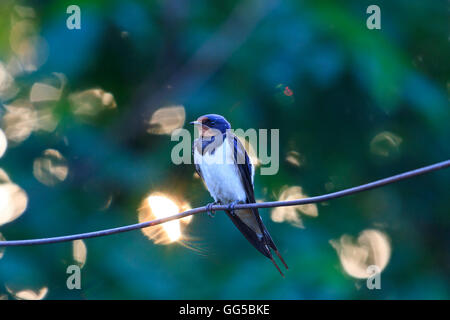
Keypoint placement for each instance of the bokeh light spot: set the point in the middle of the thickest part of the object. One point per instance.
(89, 103)
(371, 248)
(165, 120)
(41, 91)
(287, 91)
(79, 251)
(51, 168)
(8, 88)
(25, 12)
(19, 121)
(3, 143)
(294, 158)
(13, 202)
(385, 144)
(4, 178)
(2, 249)
(28, 294)
(292, 214)
(29, 47)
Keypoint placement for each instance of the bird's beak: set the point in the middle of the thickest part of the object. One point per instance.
(195, 122)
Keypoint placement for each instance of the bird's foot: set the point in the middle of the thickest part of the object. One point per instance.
(231, 207)
(209, 210)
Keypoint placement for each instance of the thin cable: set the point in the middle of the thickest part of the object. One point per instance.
(321, 198)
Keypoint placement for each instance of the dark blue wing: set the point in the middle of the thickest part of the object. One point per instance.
(245, 169)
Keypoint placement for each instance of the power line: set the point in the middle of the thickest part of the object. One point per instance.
(321, 198)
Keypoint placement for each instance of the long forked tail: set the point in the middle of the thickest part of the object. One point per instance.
(268, 240)
(281, 258)
(276, 266)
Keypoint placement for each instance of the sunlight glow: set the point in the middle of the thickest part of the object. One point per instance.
(158, 206)
(163, 207)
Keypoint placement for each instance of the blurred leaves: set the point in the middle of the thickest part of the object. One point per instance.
(85, 118)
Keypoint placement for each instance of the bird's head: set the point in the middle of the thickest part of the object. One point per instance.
(211, 124)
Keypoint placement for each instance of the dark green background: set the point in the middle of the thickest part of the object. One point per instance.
(349, 84)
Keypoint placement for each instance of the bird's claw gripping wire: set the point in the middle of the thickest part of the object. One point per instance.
(231, 207)
(209, 210)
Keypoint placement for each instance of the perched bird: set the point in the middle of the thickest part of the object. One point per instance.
(223, 164)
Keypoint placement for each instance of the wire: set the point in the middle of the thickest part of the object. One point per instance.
(321, 198)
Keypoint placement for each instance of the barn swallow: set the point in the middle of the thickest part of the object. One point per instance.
(223, 164)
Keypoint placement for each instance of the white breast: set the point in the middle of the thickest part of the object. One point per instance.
(221, 175)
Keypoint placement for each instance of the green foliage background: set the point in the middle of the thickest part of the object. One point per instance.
(348, 83)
